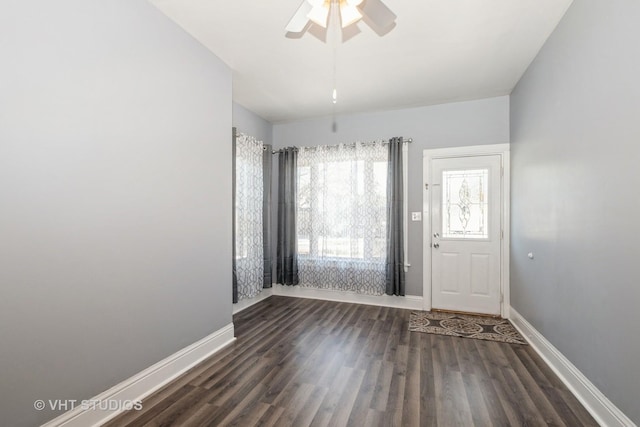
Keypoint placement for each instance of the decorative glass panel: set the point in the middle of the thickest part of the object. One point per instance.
(465, 204)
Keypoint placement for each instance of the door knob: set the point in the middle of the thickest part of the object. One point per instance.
(436, 235)
(436, 245)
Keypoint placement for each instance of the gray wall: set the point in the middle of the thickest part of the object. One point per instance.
(115, 193)
(479, 122)
(575, 150)
(250, 123)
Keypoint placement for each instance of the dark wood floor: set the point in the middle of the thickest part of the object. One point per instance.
(301, 362)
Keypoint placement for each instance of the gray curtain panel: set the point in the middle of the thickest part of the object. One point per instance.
(287, 244)
(267, 165)
(233, 216)
(395, 275)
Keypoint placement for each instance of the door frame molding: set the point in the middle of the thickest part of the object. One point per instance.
(503, 150)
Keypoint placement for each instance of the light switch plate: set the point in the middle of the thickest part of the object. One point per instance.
(416, 216)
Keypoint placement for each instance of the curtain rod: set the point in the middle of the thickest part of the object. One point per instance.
(264, 146)
(408, 140)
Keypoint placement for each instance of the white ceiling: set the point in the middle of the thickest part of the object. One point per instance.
(440, 51)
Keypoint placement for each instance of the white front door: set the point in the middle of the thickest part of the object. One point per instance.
(466, 232)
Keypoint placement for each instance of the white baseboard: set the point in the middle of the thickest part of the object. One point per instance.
(410, 302)
(246, 303)
(598, 405)
(146, 382)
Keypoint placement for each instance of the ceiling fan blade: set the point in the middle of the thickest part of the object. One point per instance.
(377, 13)
(299, 20)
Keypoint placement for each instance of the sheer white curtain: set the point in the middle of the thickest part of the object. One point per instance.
(249, 262)
(341, 217)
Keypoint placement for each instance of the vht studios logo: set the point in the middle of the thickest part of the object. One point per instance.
(88, 405)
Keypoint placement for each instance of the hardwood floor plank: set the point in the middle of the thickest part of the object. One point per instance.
(496, 365)
(395, 402)
(411, 404)
(301, 362)
(569, 410)
(364, 397)
(536, 390)
(310, 408)
(394, 338)
(244, 410)
(201, 416)
(380, 397)
(482, 386)
(330, 403)
(476, 402)
(293, 400)
(149, 412)
(249, 416)
(342, 411)
(374, 419)
(270, 417)
(220, 392)
(181, 410)
(519, 396)
(428, 390)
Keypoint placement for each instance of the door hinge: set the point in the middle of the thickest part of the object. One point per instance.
(502, 234)
(426, 186)
(501, 170)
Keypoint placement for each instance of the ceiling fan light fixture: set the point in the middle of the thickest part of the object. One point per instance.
(326, 13)
(319, 14)
(349, 14)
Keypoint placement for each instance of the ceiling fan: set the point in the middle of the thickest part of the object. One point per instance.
(374, 12)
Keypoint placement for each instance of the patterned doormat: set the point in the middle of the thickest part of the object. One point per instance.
(465, 325)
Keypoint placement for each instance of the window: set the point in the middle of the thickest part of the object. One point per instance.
(342, 207)
(341, 216)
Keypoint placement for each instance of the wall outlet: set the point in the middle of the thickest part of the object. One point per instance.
(416, 216)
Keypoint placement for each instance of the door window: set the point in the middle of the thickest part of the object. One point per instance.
(465, 204)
